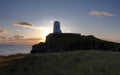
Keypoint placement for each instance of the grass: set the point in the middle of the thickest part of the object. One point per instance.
(6, 60)
(64, 63)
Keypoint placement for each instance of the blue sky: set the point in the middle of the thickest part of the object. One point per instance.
(31, 20)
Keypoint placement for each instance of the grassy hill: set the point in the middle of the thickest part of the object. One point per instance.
(64, 63)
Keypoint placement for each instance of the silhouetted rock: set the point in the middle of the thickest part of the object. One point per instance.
(70, 42)
(40, 48)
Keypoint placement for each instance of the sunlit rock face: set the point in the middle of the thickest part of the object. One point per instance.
(56, 28)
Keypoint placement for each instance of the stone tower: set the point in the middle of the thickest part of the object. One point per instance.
(56, 28)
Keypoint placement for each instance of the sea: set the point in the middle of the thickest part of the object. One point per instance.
(8, 49)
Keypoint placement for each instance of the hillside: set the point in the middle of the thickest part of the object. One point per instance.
(71, 42)
(65, 63)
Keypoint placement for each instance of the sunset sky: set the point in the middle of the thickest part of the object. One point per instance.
(29, 21)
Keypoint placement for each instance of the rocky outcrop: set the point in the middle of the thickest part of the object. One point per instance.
(71, 42)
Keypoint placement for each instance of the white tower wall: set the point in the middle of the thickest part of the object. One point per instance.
(56, 28)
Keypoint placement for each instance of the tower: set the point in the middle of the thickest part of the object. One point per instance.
(56, 28)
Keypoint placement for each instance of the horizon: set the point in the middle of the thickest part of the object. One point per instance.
(30, 21)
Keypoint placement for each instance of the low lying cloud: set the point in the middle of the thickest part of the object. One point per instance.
(19, 39)
(101, 13)
(2, 31)
(2, 38)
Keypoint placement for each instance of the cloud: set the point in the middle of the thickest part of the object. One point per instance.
(2, 30)
(28, 25)
(24, 24)
(3, 37)
(32, 40)
(101, 13)
(18, 37)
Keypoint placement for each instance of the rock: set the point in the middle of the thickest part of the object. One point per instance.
(71, 42)
(40, 48)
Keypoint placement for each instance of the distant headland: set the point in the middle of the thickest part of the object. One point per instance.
(59, 42)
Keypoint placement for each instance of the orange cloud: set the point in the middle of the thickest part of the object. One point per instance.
(19, 39)
(99, 13)
(2, 31)
(2, 38)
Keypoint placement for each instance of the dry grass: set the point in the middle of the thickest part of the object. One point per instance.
(6, 60)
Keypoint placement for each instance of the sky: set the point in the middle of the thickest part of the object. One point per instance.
(29, 21)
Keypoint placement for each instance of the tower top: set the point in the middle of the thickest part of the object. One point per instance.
(56, 22)
(56, 28)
